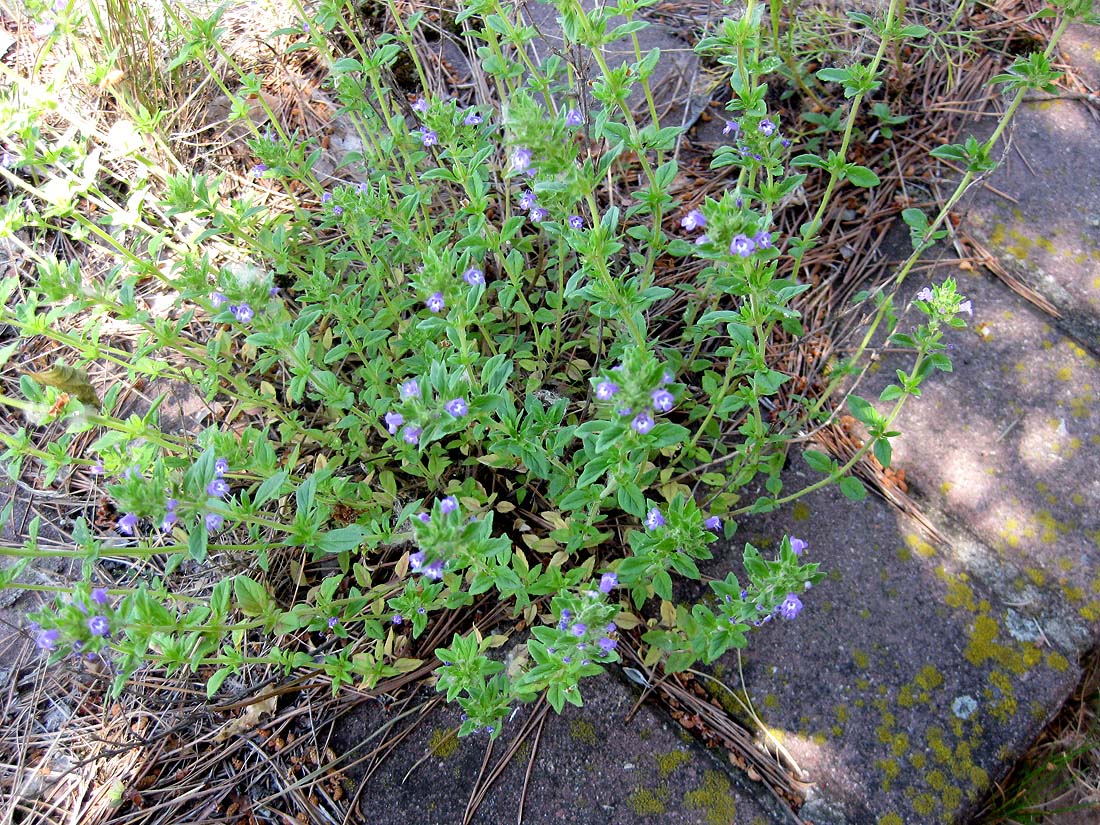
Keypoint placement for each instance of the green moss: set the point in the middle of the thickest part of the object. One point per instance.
(891, 819)
(443, 743)
(1037, 576)
(800, 512)
(860, 658)
(929, 678)
(646, 802)
(890, 772)
(951, 797)
(960, 595)
(936, 780)
(669, 762)
(924, 804)
(771, 701)
(917, 760)
(905, 697)
(842, 713)
(919, 546)
(983, 646)
(899, 745)
(584, 732)
(715, 797)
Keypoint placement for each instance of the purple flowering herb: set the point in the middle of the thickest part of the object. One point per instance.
(326, 197)
(259, 169)
(608, 581)
(473, 276)
(642, 423)
(448, 504)
(214, 522)
(791, 607)
(411, 435)
(78, 646)
(566, 659)
(521, 159)
(574, 118)
(99, 596)
(424, 518)
(48, 639)
(527, 200)
(217, 299)
(394, 420)
(566, 614)
(611, 627)
(538, 214)
(713, 523)
(579, 629)
(435, 302)
(410, 389)
(337, 210)
(798, 545)
(332, 622)
(429, 138)
(420, 106)
(767, 127)
(605, 390)
(702, 239)
(654, 519)
(416, 561)
(169, 521)
(221, 467)
(576, 222)
(693, 220)
(472, 119)
(667, 378)
(732, 127)
(457, 407)
(97, 469)
(625, 411)
(607, 645)
(966, 307)
(243, 313)
(925, 295)
(99, 626)
(762, 239)
(398, 618)
(219, 488)
(127, 524)
(434, 570)
(663, 400)
(742, 246)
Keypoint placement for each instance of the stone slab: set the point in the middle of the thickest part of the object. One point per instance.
(592, 766)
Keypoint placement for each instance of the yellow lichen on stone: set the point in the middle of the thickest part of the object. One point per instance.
(929, 678)
(584, 732)
(1056, 661)
(924, 804)
(669, 762)
(900, 744)
(443, 743)
(960, 595)
(860, 658)
(646, 802)
(715, 797)
(919, 546)
(891, 819)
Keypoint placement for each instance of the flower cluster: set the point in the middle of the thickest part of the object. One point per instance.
(82, 619)
(529, 204)
(415, 414)
(656, 400)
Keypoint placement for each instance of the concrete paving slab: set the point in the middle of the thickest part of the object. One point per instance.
(1047, 231)
(592, 766)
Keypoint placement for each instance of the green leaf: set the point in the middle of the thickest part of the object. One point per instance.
(818, 461)
(883, 451)
(270, 488)
(196, 542)
(853, 488)
(215, 681)
(251, 596)
(341, 540)
(861, 176)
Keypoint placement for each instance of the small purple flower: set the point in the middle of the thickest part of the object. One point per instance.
(435, 302)
(127, 524)
(574, 118)
(642, 423)
(398, 618)
(416, 561)
(608, 581)
(47, 640)
(693, 220)
(448, 504)
(214, 522)
(732, 127)
(259, 169)
(169, 521)
(429, 137)
(566, 659)
(474, 276)
(99, 596)
(625, 411)
(472, 119)
(337, 210)
(326, 197)
(798, 545)
(410, 389)
(607, 645)
(332, 622)
(965, 307)
(667, 378)
(411, 434)
(767, 128)
(538, 214)
(221, 467)
(217, 299)
(654, 519)
(171, 504)
(579, 629)
(791, 607)
(394, 420)
(457, 407)
(713, 523)
(702, 239)
(576, 222)
(605, 390)
(566, 615)
(925, 294)
(219, 488)
(424, 518)
(420, 106)
(742, 245)
(521, 159)
(243, 313)
(434, 570)
(762, 239)
(97, 469)
(663, 400)
(99, 626)
(527, 200)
